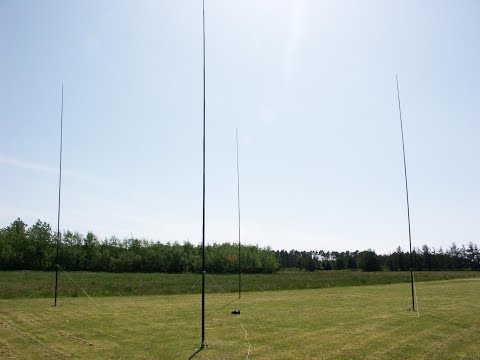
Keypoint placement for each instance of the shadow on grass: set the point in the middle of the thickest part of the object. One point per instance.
(463, 326)
(224, 306)
(195, 353)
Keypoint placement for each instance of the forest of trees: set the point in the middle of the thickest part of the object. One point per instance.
(454, 258)
(34, 248)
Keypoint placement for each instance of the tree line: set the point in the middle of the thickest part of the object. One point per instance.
(34, 248)
(24, 247)
(424, 258)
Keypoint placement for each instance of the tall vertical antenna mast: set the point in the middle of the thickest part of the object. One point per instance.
(203, 344)
(239, 242)
(59, 235)
(406, 191)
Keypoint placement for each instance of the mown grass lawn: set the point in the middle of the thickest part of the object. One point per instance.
(362, 322)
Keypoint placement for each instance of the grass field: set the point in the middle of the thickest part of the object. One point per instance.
(362, 322)
(33, 284)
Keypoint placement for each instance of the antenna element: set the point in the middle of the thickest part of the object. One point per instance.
(59, 235)
(408, 203)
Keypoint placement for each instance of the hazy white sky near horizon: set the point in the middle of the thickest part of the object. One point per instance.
(310, 85)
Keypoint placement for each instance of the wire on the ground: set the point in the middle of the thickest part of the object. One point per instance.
(73, 281)
(246, 339)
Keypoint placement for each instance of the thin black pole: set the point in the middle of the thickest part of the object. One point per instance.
(239, 242)
(59, 235)
(203, 344)
(408, 203)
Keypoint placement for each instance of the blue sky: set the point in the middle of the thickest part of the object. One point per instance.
(310, 85)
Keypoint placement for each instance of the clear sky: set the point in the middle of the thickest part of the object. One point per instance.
(310, 85)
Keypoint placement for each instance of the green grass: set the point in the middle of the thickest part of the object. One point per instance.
(34, 284)
(359, 322)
